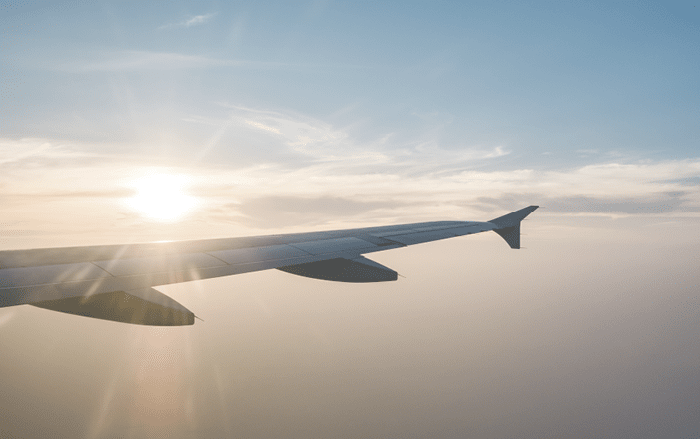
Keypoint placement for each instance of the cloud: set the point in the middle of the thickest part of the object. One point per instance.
(195, 20)
(316, 142)
(654, 203)
(690, 181)
(139, 60)
(34, 153)
(199, 19)
(262, 126)
(135, 60)
(285, 211)
(58, 194)
(263, 169)
(267, 152)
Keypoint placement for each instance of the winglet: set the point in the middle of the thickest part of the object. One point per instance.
(508, 226)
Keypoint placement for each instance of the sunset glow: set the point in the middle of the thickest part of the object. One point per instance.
(162, 197)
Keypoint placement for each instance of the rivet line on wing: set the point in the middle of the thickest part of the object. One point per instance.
(219, 259)
(301, 249)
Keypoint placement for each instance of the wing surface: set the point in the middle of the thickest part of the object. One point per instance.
(115, 282)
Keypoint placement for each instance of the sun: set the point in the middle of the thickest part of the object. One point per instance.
(162, 197)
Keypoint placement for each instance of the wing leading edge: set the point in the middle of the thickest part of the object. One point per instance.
(115, 282)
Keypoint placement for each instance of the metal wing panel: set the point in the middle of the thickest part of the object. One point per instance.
(473, 228)
(333, 245)
(165, 263)
(48, 274)
(258, 254)
(420, 237)
(403, 231)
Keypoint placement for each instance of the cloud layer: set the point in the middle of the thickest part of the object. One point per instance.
(253, 170)
(295, 171)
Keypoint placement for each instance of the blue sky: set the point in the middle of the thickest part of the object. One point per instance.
(548, 79)
(553, 78)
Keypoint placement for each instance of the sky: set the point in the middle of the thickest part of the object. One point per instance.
(127, 121)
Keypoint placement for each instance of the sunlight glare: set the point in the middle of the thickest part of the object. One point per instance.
(162, 197)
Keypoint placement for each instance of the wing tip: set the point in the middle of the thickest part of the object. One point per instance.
(508, 225)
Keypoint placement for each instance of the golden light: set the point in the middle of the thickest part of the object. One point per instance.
(162, 197)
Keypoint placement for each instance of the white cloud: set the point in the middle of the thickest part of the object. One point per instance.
(195, 20)
(322, 142)
(338, 163)
(38, 176)
(134, 60)
(139, 60)
(262, 126)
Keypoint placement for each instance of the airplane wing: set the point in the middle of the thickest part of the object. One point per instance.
(115, 282)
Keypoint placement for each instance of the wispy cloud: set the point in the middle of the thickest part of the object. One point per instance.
(262, 169)
(135, 60)
(139, 60)
(300, 210)
(26, 155)
(652, 203)
(195, 20)
(109, 60)
(262, 126)
(690, 181)
(321, 143)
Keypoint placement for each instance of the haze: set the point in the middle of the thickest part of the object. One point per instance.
(131, 122)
